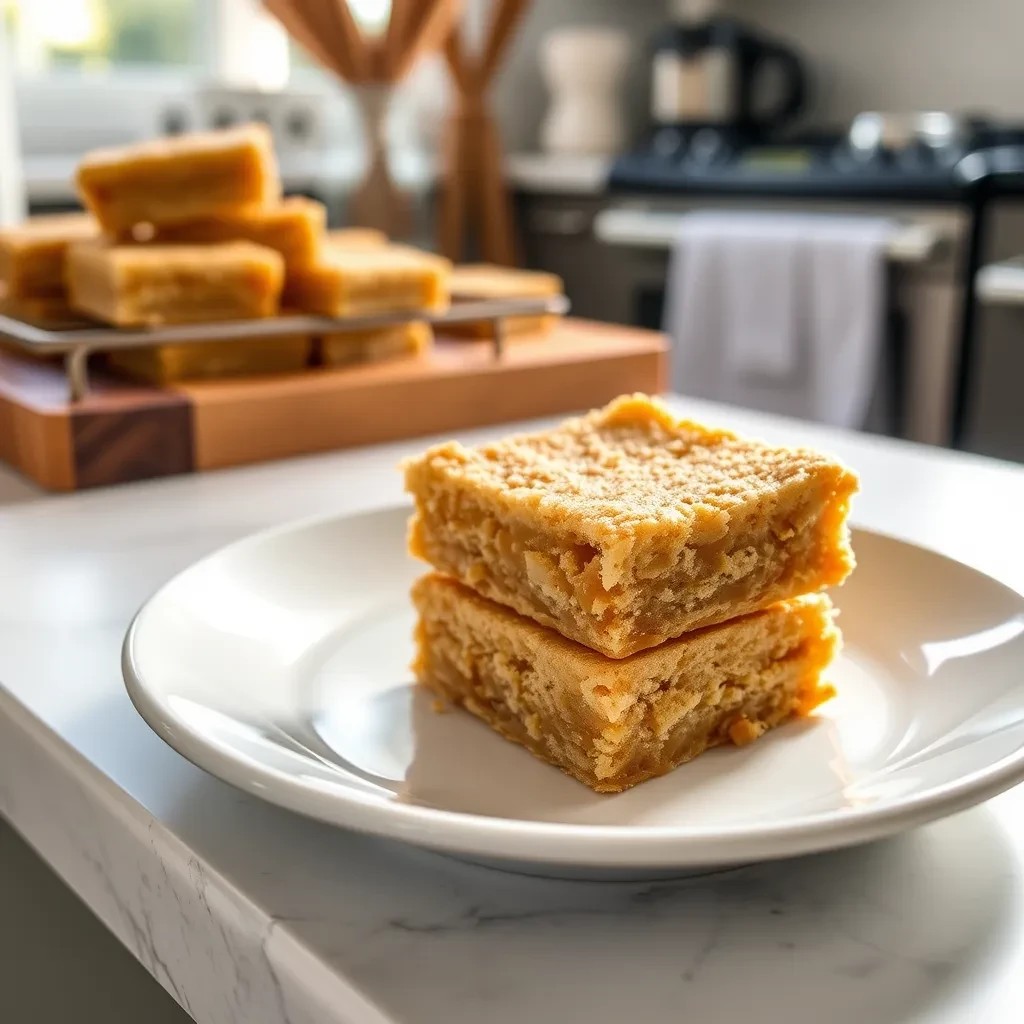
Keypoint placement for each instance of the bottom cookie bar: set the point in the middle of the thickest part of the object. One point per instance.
(476, 282)
(371, 345)
(212, 360)
(614, 723)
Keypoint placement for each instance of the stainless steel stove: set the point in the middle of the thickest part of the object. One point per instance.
(936, 172)
(929, 156)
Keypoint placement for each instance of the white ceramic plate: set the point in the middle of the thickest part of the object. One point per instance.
(280, 664)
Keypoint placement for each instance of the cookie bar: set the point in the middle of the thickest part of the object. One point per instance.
(293, 227)
(32, 254)
(213, 360)
(356, 238)
(628, 527)
(477, 282)
(140, 285)
(611, 724)
(368, 280)
(42, 310)
(345, 348)
(181, 178)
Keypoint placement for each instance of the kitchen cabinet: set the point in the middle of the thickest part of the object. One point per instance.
(995, 415)
(557, 234)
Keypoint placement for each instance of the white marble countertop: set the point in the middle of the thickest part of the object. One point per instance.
(248, 913)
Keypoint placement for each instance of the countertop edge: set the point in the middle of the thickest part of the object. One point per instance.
(183, 921)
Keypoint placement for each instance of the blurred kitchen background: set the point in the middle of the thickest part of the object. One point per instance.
(889, 131)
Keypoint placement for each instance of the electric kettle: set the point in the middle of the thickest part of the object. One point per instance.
(715, 73)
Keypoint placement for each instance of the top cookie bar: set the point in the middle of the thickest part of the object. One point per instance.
(628, 527)
(182, 178)
(369, 279)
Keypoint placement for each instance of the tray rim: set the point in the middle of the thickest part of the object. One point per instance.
(41, 340)
(76, 344)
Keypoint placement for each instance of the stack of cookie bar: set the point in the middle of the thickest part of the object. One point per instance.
(627, 590)
(193, 229)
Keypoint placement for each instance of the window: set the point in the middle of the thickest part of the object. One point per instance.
(372, 16)
(91, 73)
(97, 35)
(107, 35)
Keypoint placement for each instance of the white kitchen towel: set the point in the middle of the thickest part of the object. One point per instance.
(780, 312)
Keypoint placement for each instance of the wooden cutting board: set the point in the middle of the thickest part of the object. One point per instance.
(123, 431)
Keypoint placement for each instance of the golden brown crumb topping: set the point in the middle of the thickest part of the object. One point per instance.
(630, 467)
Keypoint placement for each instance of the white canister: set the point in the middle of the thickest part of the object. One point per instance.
(583, 68)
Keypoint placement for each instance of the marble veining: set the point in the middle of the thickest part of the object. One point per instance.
(212, 952)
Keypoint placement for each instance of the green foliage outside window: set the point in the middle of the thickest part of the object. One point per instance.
(94, 34)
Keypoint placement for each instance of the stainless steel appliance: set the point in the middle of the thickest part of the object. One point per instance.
(928, 155)
(990, 416)
(710, 79)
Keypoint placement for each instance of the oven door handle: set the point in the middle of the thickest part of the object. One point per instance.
(915, 242)
(1002, 284)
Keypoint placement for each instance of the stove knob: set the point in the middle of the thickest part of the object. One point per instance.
(667, 143)
(842, 159)
(946, 156)
(707, 147)
(917, 155)
(854, 160)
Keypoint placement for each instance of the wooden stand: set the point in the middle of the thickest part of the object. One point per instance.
(474, 197)
(330, 33)
(122, 431)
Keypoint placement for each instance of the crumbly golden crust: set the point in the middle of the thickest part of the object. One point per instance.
(611, 724)
(628, 526)
(631, 467)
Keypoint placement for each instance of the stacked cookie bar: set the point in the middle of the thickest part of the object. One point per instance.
(629, 589)
(194, 229)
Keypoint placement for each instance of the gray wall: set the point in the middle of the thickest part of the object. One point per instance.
(904, 54)
(866, 54)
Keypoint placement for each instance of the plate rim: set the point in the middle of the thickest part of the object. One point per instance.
(541, 842)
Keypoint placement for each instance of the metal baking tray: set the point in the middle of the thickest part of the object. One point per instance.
(77, 341)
